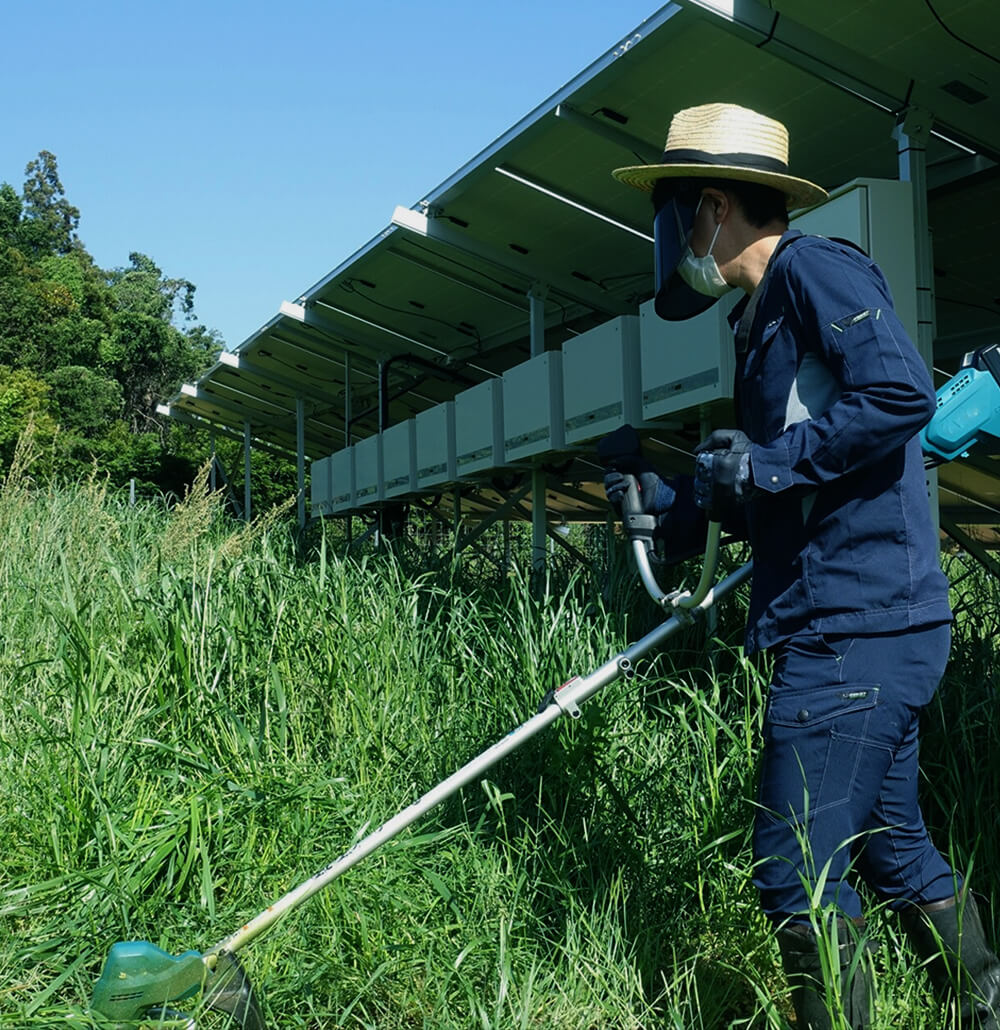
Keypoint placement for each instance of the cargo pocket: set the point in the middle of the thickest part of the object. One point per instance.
(816, 743)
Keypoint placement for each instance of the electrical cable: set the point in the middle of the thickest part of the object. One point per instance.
(958, 38)
(350, 287)
(467, 268)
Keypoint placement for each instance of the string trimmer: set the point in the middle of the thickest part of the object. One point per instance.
(142, 982)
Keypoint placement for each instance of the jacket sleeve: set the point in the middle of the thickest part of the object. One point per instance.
(841, 304)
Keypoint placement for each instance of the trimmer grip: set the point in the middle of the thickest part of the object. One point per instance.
(636, 523)
(631, 503)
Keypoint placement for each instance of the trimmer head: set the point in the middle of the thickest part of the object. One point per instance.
(141, 982)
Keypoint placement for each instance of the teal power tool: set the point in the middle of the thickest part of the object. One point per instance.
(968, 409)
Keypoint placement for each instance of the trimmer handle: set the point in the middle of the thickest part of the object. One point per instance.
(637, 524)
(639, 528)
(623, 447)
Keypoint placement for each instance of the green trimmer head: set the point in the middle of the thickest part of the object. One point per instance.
(141, 982)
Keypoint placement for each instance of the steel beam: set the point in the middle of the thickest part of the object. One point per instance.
(238, 363)
(561, 196)
(314, 315)
(574, 290)
(511, 504)
(242, 410)
(427, 266)
(643, 149)
(222, 428)
(973, 547)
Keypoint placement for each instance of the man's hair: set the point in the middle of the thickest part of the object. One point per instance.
(760, 204)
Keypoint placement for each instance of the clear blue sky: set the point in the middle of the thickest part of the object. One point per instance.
(252, 147)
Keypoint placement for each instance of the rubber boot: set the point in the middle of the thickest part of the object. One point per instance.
(948, 936)
(803, 964)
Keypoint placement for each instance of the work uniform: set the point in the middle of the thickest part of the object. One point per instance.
(847, 591)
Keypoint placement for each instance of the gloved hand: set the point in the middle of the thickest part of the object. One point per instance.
(723, 478)
(656, 496)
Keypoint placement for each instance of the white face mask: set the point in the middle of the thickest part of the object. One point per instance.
(702, 273)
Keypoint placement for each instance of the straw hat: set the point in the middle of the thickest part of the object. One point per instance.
(724, 141)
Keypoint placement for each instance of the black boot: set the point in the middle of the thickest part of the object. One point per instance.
(948, 936)
(804, 963)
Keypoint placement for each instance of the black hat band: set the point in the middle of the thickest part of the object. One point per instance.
(703, 157)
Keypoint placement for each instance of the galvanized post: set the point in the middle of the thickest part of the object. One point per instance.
(212, 474)
(246, 471)
(347, 400)
(536, 316)
(300, 456)
(347, 432)
(912, 132)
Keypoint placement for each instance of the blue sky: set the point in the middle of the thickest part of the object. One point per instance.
(252, 147)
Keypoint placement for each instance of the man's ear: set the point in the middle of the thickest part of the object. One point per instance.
(720, 202)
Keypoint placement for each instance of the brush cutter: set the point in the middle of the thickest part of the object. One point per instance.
(140, 982)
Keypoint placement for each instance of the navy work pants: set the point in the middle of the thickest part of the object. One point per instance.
(839, 777)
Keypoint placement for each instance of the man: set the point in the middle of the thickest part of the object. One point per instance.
(825, 477)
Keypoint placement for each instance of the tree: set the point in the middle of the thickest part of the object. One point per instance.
(10, 213)
(142, 289)
(84, 401)
(24, 401)
(88, 351)
(48, 221)
(149, 358)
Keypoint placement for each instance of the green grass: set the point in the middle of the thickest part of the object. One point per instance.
(197, 717)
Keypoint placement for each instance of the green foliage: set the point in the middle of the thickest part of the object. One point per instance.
(98, 349)
(142, 289)
(84, 401)
(48, 221)
(10, 212)
(196, 719)
(24, 404)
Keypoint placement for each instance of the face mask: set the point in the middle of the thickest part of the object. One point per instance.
(702, 273)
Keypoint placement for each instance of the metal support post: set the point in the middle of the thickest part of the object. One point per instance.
(348, 414)
(246, 471)
(212, 485)
(912, 132)
(456, 521)
(300, 456)
(536, 316)
(383, 398)
(538, 527)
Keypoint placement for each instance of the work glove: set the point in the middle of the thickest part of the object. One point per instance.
(723, 479)
(620, 454)
(656, 495)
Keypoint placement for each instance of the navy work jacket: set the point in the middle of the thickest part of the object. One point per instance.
(832, 393)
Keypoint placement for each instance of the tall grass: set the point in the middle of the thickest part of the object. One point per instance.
(197, 716)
